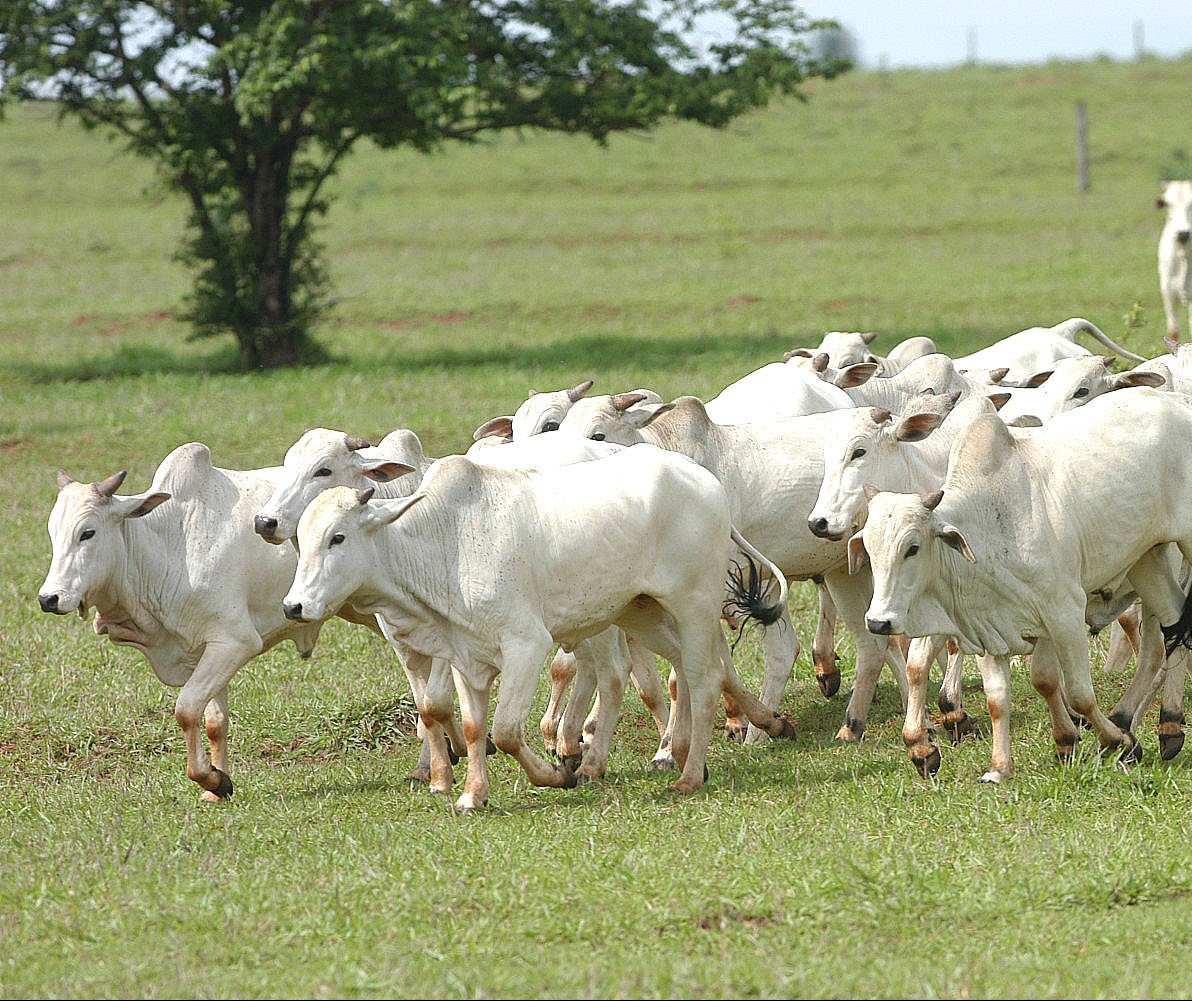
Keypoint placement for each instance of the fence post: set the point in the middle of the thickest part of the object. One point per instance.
(1082, 144)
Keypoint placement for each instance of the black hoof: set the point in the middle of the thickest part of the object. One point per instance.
(1170, 745)
(829, 683)
(224, 789)
(490, 748)
(1131, 755)
(927, 764)
(570, 779)
(572, 761)
(1118, 718)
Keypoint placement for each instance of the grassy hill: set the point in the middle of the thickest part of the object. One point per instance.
(938, 203)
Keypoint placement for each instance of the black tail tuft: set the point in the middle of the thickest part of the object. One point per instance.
(1179, 633)
(747, 595)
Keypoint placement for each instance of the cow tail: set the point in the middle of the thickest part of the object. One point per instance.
(747, 600)
(1179, 633)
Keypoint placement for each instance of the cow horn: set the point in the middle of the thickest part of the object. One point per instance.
(64, 479)
(998, 374)
(820, 362)
(364, 494)
(1109, 360)
(871, 491)
(868, 336)
(932, 500)
(354, 444)
(624, 401)
(106, 488)
(880, 415)
(576, 393)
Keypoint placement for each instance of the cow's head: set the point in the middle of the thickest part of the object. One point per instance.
(319, 460)
(1072, 382)
(845, 348)
(86, 534)
(865, 452)
(1177, 201)
(906, 544)
(545, 411)
(337, 551)
(617, 419)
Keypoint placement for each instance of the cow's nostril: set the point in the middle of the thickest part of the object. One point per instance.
(264, 526)
(818, 526)
(293, 610)
(1183, 236)
(48, 602)
(880, 626)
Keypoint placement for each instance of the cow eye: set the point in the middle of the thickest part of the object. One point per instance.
(337, 538)
(86, 534)
(857, 454)
(598, 436)
(324, 471)
(914, 548)
(550, 426)
(1081, 392)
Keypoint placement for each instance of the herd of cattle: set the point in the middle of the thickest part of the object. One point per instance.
(995, 505)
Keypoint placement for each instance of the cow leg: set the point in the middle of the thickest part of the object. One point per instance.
(704, 661)
(956, 721)
(562, 673)
(220, 661)
(1171, 713)
(1148, 675)
(474, 686)
(589, 656)
(915, 733)
(1072, 649)
(434, 698)
(520, 668)
(611, 674)
(216, 722)
(1045, 676)
(1124, 638)
(995, 676)
(772, 723)
(780, 645)
(852, 596)
(823, 647)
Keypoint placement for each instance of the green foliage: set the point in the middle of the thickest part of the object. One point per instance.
(247, 109)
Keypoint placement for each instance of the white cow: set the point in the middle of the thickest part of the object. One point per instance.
(1070, 383)
(540, 412)
(177, 573)
(772, 473)
(1028, 526)
(1175, 283)
(933, 373)
(1036, 349)
(774, 392)
(850, 348)
(1175, 366)
(489, 568)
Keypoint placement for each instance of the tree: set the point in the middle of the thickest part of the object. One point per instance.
(249, 107)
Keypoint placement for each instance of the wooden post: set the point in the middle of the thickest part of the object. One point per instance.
(1082, 144)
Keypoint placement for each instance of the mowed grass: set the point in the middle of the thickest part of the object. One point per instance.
(940, 203)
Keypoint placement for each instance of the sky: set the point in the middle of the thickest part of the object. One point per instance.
(925, 33)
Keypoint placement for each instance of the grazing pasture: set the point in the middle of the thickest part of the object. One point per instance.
(942, 204)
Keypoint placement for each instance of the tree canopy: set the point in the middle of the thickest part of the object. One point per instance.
(247, 108)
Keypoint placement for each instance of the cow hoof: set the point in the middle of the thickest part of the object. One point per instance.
(223, 788)
(1132, 755)
(959, 726)
(490, 749)
(570, 779)
(419, 776)
(829, 683)
(926, 760)
(992, 777)
(210, 797)
(662, 764)
(1120, 719)
(451, 752)
(736, 732)
(1170, 745)
(852, 731)
(571, 762)
(468, 804)
(787, 729)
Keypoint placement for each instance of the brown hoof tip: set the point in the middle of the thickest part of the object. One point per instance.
(927, 764)
(789, 730)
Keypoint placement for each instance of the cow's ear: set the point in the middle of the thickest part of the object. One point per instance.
(1127, 380)
(916, 427)
(1038, 379)
(383, 472)
(856, 375)
(951, 537)
(1160, 202)
(502, 426)
(858, 556)
(641, 416)
(138, 506)
(387, 512)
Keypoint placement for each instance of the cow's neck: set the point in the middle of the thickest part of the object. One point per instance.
(124, 603)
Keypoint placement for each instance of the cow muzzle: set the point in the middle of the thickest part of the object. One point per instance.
(266, 528)
(1183, 236)
(822, 530)
(293, 610)
(49, 603)
(881, 627)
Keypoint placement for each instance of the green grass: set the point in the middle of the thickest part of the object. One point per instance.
(940, 203)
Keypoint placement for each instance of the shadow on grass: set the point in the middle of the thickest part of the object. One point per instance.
(440, 351)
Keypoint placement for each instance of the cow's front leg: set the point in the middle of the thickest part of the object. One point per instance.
(823, 646)
(995, 676)
(1072, 651)
(1046, 678)
(209, 681)
(924, 755)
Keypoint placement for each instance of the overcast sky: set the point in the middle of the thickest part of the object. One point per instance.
(898, 33)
